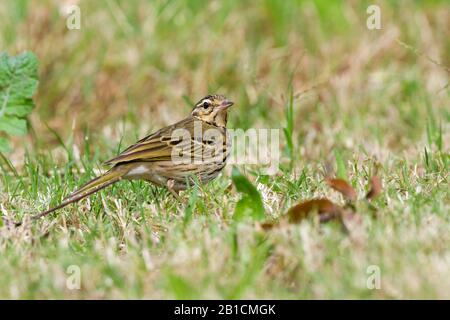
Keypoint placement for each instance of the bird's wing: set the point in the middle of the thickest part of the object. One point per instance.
(161, 145)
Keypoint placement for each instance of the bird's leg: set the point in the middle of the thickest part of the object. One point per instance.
(170, 185)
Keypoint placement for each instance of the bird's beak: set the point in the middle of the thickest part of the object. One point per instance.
(226, 104)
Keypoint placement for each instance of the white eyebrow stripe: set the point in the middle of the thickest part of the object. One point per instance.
(203, 101)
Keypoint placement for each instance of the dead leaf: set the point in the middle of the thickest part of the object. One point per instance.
(326, 209)
(343, 187)
(375, 188)
(317, 126)
(266, 226)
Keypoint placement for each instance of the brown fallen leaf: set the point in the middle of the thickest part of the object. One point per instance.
(375, 188)
(343, 187)
(266, 226)
(326, 209)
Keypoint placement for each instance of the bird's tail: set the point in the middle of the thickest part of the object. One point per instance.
(96, 184)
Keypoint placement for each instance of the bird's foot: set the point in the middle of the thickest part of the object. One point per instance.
(170, 186)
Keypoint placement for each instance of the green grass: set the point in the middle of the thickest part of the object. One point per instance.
(352, 101)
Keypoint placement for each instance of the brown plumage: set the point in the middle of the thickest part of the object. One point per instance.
(197, 146)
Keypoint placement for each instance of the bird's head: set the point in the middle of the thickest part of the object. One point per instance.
(212, 109)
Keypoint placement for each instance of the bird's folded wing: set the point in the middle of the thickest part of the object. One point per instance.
(167, 145)
(162, 145)
(175, 150)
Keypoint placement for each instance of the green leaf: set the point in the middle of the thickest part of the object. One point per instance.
(20, 108)
(4, 145)
(289, 129)
(250, 204)
(340, 165)
(18, 84)
(13, 126)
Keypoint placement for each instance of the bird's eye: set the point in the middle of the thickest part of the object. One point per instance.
(206, 105)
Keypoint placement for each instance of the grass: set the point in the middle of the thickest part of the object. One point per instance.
(352, 101)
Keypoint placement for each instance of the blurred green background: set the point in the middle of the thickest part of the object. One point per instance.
(146, 62)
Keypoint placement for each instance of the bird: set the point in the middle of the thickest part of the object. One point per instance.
(193, 149)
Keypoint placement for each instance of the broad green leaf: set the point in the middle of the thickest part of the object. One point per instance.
(13, 126)
(4, 145)
(250, 204)
(19, 108)
(340, 165)
(18, 83)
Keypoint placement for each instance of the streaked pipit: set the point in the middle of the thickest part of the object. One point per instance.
(197, 146)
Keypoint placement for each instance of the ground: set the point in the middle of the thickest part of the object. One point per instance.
(365, 102)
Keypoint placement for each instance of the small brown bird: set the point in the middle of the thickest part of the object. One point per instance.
(197, 146)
